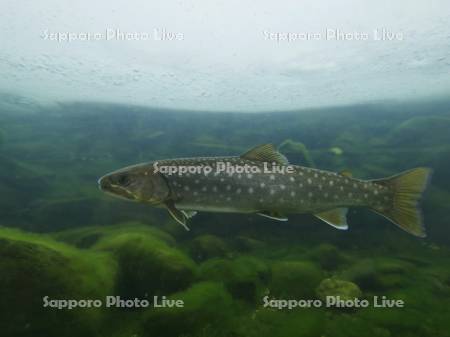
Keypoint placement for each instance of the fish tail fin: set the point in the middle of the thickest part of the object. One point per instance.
(403, 207)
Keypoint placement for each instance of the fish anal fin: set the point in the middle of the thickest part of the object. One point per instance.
(273, 215)
(265, 153)
(179, 216)
(336, 217)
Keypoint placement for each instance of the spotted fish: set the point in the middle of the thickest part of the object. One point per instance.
(261, 181)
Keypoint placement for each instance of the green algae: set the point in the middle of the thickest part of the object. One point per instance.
(148, 266)
(33, 267)
(245, 277)
(207, 307)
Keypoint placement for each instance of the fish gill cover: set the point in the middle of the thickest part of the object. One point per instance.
(76, 261)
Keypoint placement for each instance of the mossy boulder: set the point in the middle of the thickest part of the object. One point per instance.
(327, 256)
(347, 325)
(33, 267)
(379, 273)
(207, 246)
(345, 290)
(247, 244)
(296, 323)
(206, 312)
(86, 237)
(295, 279)
(246, 278)
(148, 266)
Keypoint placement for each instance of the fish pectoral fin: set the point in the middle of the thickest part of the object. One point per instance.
(335, 217)
(179, 216)
(273, 215)
(266, 153)
(189, 214)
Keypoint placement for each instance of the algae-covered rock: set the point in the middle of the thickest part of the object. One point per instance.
(296, 323)
(147, 265)
(85, 237)
(345, 290)
(327, 256)
(206, 311)
(33, 267)
(380, 273)
(247, 244)
(246, 278)
(346, 325)
(295, 279)
(207, 246)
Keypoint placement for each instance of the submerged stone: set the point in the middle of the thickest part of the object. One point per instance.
(147, 265)
(345, 290)
(33, 267)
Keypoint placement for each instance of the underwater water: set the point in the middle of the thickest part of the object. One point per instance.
(61, 238)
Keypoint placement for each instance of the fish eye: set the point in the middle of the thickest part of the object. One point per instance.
(123, 180)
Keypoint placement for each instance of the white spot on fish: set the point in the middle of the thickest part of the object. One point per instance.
(282, 187)
(320, 186)
(354, 185)
(197, 181)
(222, 180)
(272, 191)
(350, 195)
(316, 175)
(336, 197)
(204, 188)
(195, 193)
(309, 181)
(215, 188)
(375, 192)
(186, 188)
(300, 185)
(262, 184)
(292, 179)
(326, 195)
(331, 183)
(250, 190)
(228, 187)
(228, 199)
(310, 194)
(341, 188)
(272, 177)
(238, 191)
(365, 195)
(239, 176)
(249, 176)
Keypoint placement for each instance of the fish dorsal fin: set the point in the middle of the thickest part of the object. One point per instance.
(346, 173)
(179, 216)
(273, 215)
(335, 217)
(267, 153)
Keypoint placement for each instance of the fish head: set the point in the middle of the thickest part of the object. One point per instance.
(136, 183)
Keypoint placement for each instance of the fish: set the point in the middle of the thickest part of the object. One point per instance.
(263, 182)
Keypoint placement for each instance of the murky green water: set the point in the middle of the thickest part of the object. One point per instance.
(63, 238)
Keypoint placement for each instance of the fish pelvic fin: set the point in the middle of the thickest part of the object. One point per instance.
(403, 208)
(179, 216)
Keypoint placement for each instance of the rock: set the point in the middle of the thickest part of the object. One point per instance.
(207, 309)
(246, 244)
(32, 267)
(148, 266)
(379, 273)
(335, 287)
(327, 256)
(246, 278)
(207, 246)
(294, 279)
(86, 237)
